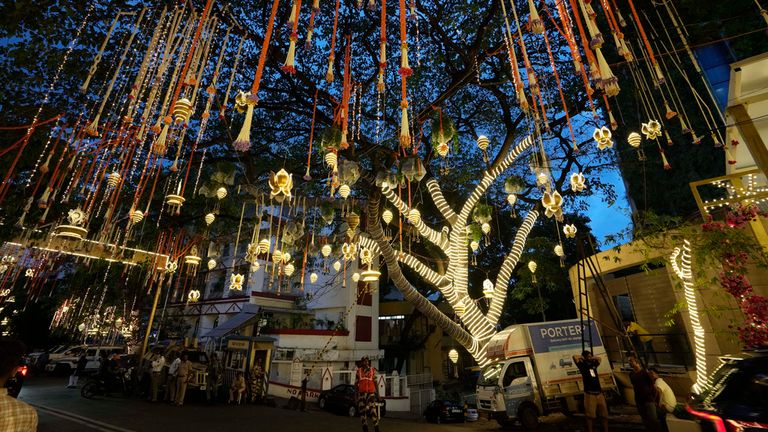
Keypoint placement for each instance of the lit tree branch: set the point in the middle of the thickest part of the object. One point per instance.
(430, 234)
(437, 196)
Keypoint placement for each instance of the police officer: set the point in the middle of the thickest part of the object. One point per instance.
(367, 394)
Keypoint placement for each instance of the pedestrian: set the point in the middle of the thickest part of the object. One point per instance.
(304, 383)
(257, 381)
(157, 369)
(237, 388)
(367, 394)
(666, 400)
(15, 415)
(170, 385)
(79, 371)
(645, 394)
(594, 399)
(182, 379)
(212, 378)
(642, 340)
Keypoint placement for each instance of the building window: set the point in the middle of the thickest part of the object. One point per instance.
(624, 307)
(364, 297)
(363, 326)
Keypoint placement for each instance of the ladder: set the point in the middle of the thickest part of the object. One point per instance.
(588, 268)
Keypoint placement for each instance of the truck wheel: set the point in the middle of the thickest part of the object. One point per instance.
(321, 403)
(506, 424)
(528, 417)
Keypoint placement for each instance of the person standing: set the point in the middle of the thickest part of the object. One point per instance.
(157, 369)
(367, 394)
(594, 399)
(642, 340)
(212, 378)
(645, 395)
(79, 371)
(15, 415)
(182, 378)
(173, 370)
(666, 400)
(237, 388)
(257, 381)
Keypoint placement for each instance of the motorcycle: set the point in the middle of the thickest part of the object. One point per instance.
(101, 385)
(17, 380)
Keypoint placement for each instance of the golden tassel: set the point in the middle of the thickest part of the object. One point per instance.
(93, 127)
(308, 42)
(609, 81)
(405, 133)
(405, 69)
(290, 63)
(667, 166)
(159, 146)
(612, 121)
(659, 75)
(292, 18)
(380, 86)
(344, 144)
(329, 73)
(537, 26)
(684, 126)
(243, 141)
(669, 113)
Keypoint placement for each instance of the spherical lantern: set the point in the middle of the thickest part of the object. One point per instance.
(331, 159)
(136, 216)
(559, 251)
(182, 110)
(209, 218)
(387, 216)
(634, 139)
(453, 356)
(414, 216)
(488, 288)
(337, 266)
(264, 246)
(474, 245)
(81, 327)
(482, 142)
(113, 179)
(355, 277)
(277, 256)
(344, 191)
(289, 269)
(211, 264)
(486, 228)
(286, 257)
(312, 277)
(221, 193)
(326, 250)
(511, 199)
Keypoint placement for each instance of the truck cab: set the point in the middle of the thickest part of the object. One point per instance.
(531, 371)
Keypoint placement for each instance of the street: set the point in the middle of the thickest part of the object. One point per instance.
(64, 410)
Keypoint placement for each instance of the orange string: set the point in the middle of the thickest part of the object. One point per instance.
(559, 88)
(36, 124)
(642, 33)
(582, 33)
(335, 26)
(264, 49)
(296, 21)
(190, 54)
(312, 131)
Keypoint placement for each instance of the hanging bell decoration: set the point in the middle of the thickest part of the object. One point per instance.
(289, 269)
(355, 277)
(113, 179)
(326, 250)
(344, 191)
(559, 250)
(280, 184)
(263, 246)
(331, 159)
(209, 218)
(485, 228)
(488, 289)
(512, 199)
(532, 266)
(211, 264)
(569, 230)
(387, 216)
(136, 216)
(578, 182)
(182, 110)
(414, 216)
(482, 142)
(277, 256)
(459, 308)
(336, 266)
(353, 220)
(474, 245)
(312, 277)
(634, 139)
(221, 193)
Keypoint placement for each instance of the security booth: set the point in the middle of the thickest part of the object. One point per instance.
(242, 353)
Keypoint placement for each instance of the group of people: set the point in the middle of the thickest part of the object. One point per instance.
(653, 396)
(255, 384)
(177, 378)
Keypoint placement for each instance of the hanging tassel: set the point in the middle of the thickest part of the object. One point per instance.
(612, 121)
(93, 127)
(382, 65)
(290, 63)
(659, 75)
(405, 133)
(537, 26)
(292, 18)
(696, 138)
(308, 42)
(371, 4)
(243, 141)
(380, 86)
(157, 127)
(670, 143)
(405, 69)
(160, 145)
(669, 113)
(667, 166)
(329, 73)
(344, 143)
(609, 81)
(684, 126)
(716, 140)
(44, 167)
(594, 75)
(43, 201)
(622, 22)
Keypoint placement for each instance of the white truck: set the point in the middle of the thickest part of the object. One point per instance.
(532, 372)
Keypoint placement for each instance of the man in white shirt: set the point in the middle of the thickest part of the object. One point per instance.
(666, 397)
(157, 369)
(15, 416)
(173, 370)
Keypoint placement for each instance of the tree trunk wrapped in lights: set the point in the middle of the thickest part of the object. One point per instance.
(472, 328)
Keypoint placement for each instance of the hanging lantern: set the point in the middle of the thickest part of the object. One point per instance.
(211, 264)
(387, 216)
(349, 250)
(344, 191)
(192, 259)
(542, 178)
(193, 296)
(453, 356)
(442, 149)
(578, 182)
(355, 277)
(236, 282)
(337, 265)
(277, 256)
(221, 193)
(552, 202)
(113, 179)
(331, 159)
(312, 277)
(482, 142)
(286, 257)
(634, 139)
(289, 269)
(569, 230)
(488, 288)
(414, 216)
(171, 267)
(280, 184)
(353, 220)
(603, 136)
(459, 308)
(29, 273)
(512, 199)
(559, 250)
(532, 266)
(182, 110)
(485, 228)
(326, 250)
(370, 275)
(136, 216)
(264, 246)
(209, 218)
(474, 245)
(651, 130)
(174, 203)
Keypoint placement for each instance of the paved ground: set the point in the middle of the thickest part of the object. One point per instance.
(64, 410)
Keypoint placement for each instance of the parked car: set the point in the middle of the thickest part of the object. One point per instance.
(69, 352)
(443, 411)
(470, 413)
(92, 353)
(736, 398)
(14, 384)
(342, 399)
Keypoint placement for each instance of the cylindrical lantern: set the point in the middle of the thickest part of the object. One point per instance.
(488, 288)
(453, 356)
(414, 216)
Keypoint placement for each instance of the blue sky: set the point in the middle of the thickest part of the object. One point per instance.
(609, 220)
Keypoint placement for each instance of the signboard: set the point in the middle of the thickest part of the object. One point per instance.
(238, 344)
(327, 378)
(560, 336)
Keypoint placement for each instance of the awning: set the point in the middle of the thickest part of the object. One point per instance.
(245, 317)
